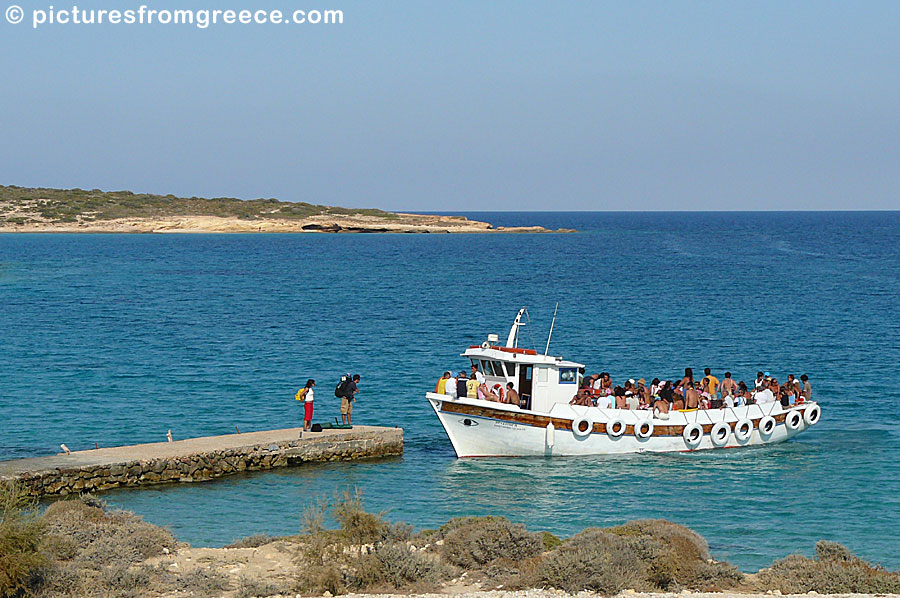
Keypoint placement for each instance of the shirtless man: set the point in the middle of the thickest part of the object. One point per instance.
(661, 404)
(728, 386)
(581, 398)
(512, 397)
(691, 398)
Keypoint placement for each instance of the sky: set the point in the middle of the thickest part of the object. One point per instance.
(466, 105)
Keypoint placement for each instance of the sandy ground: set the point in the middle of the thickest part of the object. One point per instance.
(403, 223)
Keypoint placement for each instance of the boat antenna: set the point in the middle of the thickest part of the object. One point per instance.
(549, 336)
(530, 329)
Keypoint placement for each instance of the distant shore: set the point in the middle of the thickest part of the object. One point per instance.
(45, 210)
(404, 223)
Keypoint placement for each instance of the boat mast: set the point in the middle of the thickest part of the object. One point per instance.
(549, 336)
(512, 340)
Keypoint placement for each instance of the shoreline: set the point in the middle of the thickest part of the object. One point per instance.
(45, 210)
(80, 547)
(215, 225)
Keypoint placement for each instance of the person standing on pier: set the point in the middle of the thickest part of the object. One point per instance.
(348, 399)
(305, 395)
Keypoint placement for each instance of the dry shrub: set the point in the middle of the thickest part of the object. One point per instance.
(320, 557)
(123, 578)
(458, 522)
(96, 552)
(596, 560)
(254, 587)
(685, 560)
(60, 548)
(203, 582)
(832, 551)
(69, 579)
(254, 541)
(64, 579)
(476, 542)
(102, 538)
(358, 526)
(400, 532)
(312, 519)
(835, 571)
(20, 540)
(366, 553)
(648, 555)
(395, 565)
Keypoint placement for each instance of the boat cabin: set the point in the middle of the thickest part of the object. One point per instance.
(540, 380)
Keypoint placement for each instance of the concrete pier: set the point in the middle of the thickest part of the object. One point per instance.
(196, 459)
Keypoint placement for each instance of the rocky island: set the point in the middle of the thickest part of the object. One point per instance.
(31, 210)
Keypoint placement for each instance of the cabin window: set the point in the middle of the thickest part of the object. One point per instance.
(498, 369)
(510, 369)
(568, 376)
(486, 368)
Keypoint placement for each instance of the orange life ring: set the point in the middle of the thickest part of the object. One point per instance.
(498, 390)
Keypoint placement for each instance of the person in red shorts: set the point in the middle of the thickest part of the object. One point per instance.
(305, 395)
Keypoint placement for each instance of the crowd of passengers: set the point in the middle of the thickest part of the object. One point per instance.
(707, 393)
(662, 396)
(474, 386)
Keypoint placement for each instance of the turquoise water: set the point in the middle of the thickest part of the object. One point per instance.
(116, 339)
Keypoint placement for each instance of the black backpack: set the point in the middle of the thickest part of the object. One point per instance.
(341, 389)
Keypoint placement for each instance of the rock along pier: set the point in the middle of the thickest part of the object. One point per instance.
(196, 459)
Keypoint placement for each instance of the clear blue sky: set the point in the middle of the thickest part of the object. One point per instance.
(469, 105)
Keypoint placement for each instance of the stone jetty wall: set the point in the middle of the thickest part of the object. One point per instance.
(49, 476)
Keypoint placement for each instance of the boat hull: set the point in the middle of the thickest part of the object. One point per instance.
(484, 429)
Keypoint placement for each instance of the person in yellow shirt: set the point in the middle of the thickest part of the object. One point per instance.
(713, 384)
(472, 388)
(441, 387)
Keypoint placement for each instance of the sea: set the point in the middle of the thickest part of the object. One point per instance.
(117, 339)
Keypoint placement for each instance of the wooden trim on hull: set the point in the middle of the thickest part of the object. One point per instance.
(541, 421)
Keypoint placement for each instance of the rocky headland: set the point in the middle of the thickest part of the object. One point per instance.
(43, 210)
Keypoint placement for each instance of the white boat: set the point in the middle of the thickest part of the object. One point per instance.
(546, 424)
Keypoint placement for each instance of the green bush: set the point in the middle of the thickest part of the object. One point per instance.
(20, 540)
(550, 541)
(66, 205)
(835, 571)
(476, 542)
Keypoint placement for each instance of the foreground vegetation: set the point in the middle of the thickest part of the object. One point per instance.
(80, 548)
(23, 205)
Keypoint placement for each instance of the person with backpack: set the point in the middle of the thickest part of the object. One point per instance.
(348, 397)
(305, 396)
